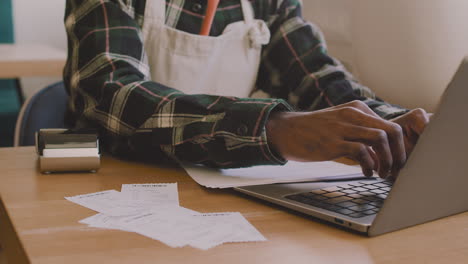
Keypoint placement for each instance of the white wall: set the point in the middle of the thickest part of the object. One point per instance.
(39, 22)
(405, 50)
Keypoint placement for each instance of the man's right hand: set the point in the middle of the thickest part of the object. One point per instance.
(350, 130)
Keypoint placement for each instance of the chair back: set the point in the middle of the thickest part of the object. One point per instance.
(46, 109)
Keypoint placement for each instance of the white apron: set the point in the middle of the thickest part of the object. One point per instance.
(223, 65)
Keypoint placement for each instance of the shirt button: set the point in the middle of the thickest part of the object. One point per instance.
(197, 7)
(242, 130)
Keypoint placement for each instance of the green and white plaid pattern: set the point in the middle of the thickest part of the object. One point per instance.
(108, 80)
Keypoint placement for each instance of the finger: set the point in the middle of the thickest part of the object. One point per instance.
(360, 153)
(359, 105)
(394, 133)
(419, 120)
(378, 140)
(413, 124)
(375, 158)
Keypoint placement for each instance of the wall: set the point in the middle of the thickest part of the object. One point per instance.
(39, 22)
(405, 50)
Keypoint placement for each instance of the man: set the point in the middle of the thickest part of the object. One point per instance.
(140, 73)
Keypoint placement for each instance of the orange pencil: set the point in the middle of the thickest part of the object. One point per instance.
(209, 16)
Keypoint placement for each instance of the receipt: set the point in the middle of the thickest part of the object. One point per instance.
(103, 221)
(112, 203)
(153, 210)
(226, 228)
(165, 193)
(180, 227)
(167, 225)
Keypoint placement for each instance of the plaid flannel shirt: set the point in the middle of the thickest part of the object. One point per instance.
(110, 87)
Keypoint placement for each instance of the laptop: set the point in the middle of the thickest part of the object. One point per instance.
(433, 184)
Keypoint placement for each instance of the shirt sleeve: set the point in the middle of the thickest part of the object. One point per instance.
(107, 77)
(296, 66)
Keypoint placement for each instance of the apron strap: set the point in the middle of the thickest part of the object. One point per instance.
(259, 34)
(159, 12)
(159, 6)
(247, 11)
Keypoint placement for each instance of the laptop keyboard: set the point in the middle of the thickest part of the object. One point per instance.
(355, 200)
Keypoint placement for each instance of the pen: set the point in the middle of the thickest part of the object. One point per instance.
(209, 16)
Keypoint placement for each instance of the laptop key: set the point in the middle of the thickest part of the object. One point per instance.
(367, 207)
(381, 184)
(369, 186)
(333, 194)
(360, 201)
(318, 191)
(347, 204)
(360, 189)
(382, 196)
(348, 191)
(355, 195)
(378, 191)
(357, 215)
(357, 184)
(387, 189)
(332, 189)
(367, 194)
(372, 198)
(345, 186)
(356, 208)
(369, 212)
(338, 200)
(361, 207)
(332, 208)
(345, 211)
(377, 204)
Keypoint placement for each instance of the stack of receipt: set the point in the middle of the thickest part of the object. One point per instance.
(153, 210)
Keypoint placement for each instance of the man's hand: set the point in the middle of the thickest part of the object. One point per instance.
(350, 130)
(413, 124)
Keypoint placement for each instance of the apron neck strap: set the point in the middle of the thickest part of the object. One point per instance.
(247, 11)
(160, 12)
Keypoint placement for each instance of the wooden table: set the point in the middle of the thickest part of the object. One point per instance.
(39, 226)
(30, 60)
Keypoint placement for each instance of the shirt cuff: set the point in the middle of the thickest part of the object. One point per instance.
(385, 110)
(246, 120)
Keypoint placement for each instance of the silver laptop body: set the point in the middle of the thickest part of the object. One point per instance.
(433, 184)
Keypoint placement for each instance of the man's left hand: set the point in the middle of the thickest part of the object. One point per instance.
(413, 124)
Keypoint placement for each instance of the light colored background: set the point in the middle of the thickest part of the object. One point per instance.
(405, 50)
(39, 22)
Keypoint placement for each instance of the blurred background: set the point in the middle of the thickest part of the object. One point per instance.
(405, 50)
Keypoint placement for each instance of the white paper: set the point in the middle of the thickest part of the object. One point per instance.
(167, 225)
(226, 228)
(177, 228)
(104, 221)
(112, 203)
(162, 193)
(71, 153)
(291, 172)
(153, 210)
